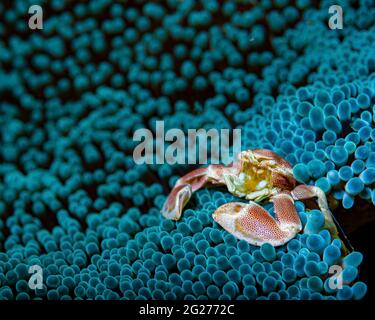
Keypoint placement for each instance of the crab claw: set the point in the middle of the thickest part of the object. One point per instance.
(252, 223)
(191, 182)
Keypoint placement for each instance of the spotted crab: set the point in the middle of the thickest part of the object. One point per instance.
(255, 175)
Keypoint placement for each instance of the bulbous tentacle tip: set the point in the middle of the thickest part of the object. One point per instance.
(252, 223)
(176, 201)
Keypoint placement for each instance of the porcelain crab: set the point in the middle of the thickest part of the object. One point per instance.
(255, 175)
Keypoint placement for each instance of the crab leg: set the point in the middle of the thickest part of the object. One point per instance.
(191, 182)
(304, 192)
(252, 223)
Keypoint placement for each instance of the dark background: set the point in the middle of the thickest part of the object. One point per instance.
(358, 224)
(362, 240)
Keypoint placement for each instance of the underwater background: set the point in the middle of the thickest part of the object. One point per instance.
(73, 201)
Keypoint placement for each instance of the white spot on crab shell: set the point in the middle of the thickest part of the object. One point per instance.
(261, 185)
(242, 176)
(272, 162)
